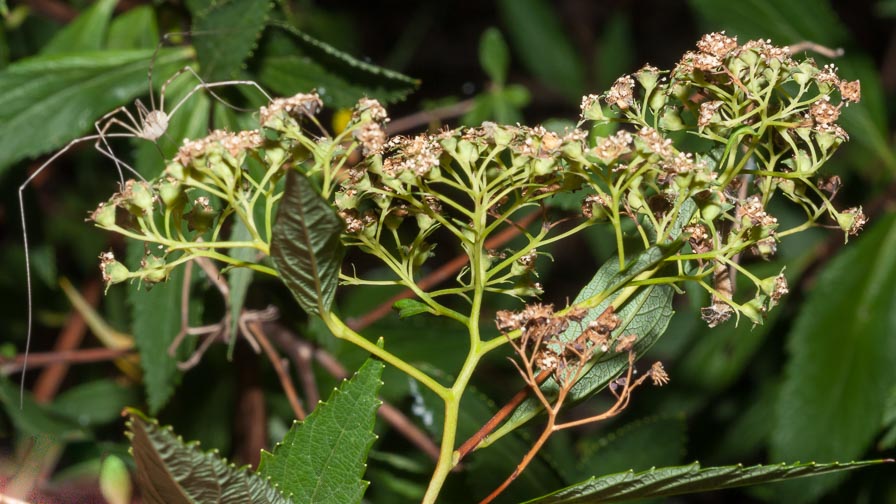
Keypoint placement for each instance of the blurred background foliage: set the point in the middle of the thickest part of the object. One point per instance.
(816, 382)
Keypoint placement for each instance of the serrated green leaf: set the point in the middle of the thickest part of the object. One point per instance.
(410, 307)
(305, 245)
(86, 33)
(156, 320)
(170, 471)
(66, 94)
(494, 55)
(692, 478)
(541, 44)
(645, 314)
(843, 358)
(134, 29)
(339, 78)
(637, 446)
(239, 279)
(227, 34)
(323, 458)
(95, 402)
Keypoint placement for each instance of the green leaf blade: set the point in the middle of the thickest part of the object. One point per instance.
(66, 94)
(494, 55)
(541, 44)
(170, 471)
(323, 458)
(229, 35)
(646, 314)
(306, 246)
(692, 478)
(338, 77)
(86, 33)
(843, 359)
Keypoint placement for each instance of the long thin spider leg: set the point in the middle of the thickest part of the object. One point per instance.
(107, 120)
(208, 85)
(28, 284)
(106, 150)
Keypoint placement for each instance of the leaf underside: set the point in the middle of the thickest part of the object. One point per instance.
(305, 247)
(170, 471)
(691, 478)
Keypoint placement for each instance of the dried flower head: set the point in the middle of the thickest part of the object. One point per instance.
(658, 374)
(717, 44)
(612, 147)
(621, 93)
(298, 106)
(824, 112)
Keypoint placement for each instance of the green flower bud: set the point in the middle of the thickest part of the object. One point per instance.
(104, 215)
(137, 196)
(202, 216)
(153, 269)
(754, 310)
(113, 271)
(657, 100)
(591, 109)
(176, 171)
(544, 166)
(172, 193)
(803, 163)
(671, 119)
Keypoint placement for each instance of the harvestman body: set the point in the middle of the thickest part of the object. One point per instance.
(150, 124)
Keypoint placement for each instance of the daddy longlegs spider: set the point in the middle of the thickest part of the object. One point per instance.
(149, 124)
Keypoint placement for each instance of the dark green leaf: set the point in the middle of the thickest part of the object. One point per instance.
(227, 34)
(305, 246)
(323, 458)
(156, 316)
(645, 314)
(686, 479)
(86, 33)
(170, 471)
(541, 44)
(615, 55)
(410, 307)
(135, 29)
(843, 358)
(500, 459)
(95, 403)
(37, 419)
(888, 441)
(494, 56)
(239, 278)
(339, 78)
(66, 94)
(637, 446)
(783, 22)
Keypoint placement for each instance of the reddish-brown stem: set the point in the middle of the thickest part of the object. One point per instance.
(441, 274)
(548, 430)
(282, 374)
(48, 382)
(83, 356)
(291, 343)
(493, 423)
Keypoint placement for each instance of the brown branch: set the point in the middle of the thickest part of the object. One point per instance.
(291, 343)
(282, 374)
(441, 274)
(43, 359)
(50, 379)
(426, 117)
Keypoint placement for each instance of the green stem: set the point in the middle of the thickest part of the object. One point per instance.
(342, 331)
